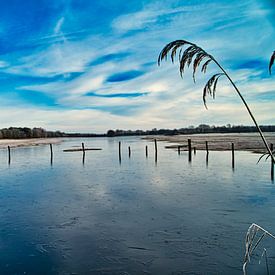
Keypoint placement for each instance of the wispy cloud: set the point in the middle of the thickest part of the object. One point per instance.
(86, 61)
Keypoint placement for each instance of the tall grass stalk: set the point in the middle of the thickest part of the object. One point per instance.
(196, 55)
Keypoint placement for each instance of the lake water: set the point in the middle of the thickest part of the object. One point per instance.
(137, 217)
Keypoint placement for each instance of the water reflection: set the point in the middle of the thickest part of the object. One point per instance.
(106, 219)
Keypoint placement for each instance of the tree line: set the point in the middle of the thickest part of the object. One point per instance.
(200, 129)
(25, 132)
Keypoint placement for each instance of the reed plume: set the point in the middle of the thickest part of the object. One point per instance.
(252, 241)
(199, 57)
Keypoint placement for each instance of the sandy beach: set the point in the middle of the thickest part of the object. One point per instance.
(218, 142)
(28, 142)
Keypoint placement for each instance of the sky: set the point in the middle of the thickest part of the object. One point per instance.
(90, 66)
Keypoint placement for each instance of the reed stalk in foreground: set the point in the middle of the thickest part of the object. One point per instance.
(196, 55)
(251, 243)
(271, 62)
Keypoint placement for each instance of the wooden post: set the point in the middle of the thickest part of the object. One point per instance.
(119, 151)
(206, 146)
(146, 151)
(156, 151)
(83, 155)
(51, 149)
(178, 150)
(129, 149)
(9, 154)
(233, 156)
(272, 163)
(194, 150)
(189, 150)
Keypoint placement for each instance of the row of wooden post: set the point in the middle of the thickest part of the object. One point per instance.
(129, 151)
(156, 153)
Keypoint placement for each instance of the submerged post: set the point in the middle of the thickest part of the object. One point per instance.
(194, 150)
(129, 150)
(9, 155)
(272, 163)
(146, 151)
(233, 155)
(189, 150)
(119, 151)
(178, 150)
(51, 149)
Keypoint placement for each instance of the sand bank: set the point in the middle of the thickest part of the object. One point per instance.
(28, 142)
(219, 142)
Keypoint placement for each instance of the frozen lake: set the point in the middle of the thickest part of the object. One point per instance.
(137, 217)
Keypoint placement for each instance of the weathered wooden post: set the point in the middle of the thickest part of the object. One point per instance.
(9, 155)
(119, 151)
(233, 155)
(83, 153)
(272, 163)
(51, 149)
(156, 151)
(206, 147)
(129, 150)
(189, 150)
(178, 150)
(146, 151)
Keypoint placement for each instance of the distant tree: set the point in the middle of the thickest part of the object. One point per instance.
(110, 133)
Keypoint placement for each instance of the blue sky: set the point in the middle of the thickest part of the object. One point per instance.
(90, 66)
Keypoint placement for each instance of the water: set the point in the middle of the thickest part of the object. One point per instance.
(137, 217)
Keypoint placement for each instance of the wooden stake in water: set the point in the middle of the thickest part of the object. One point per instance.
(233, 156)
(51, 149)
(194, 150)
(189, 150)
(206, 147)
(83, 156)
(129, 150)
(9, 155)
(119, 151)
(178, 150)
(146, 151)
(272, 163)
(156, 151)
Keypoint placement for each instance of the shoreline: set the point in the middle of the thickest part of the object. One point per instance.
(14, 143)
(217, 142)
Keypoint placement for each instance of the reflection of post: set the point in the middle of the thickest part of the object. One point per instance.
(233, 156)
(207, 157)
(129, 149)
(9, 154)
(119, 151)
(272, 163)
(156, 151)
(146, 151)
(189, 150)
(51, 149)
